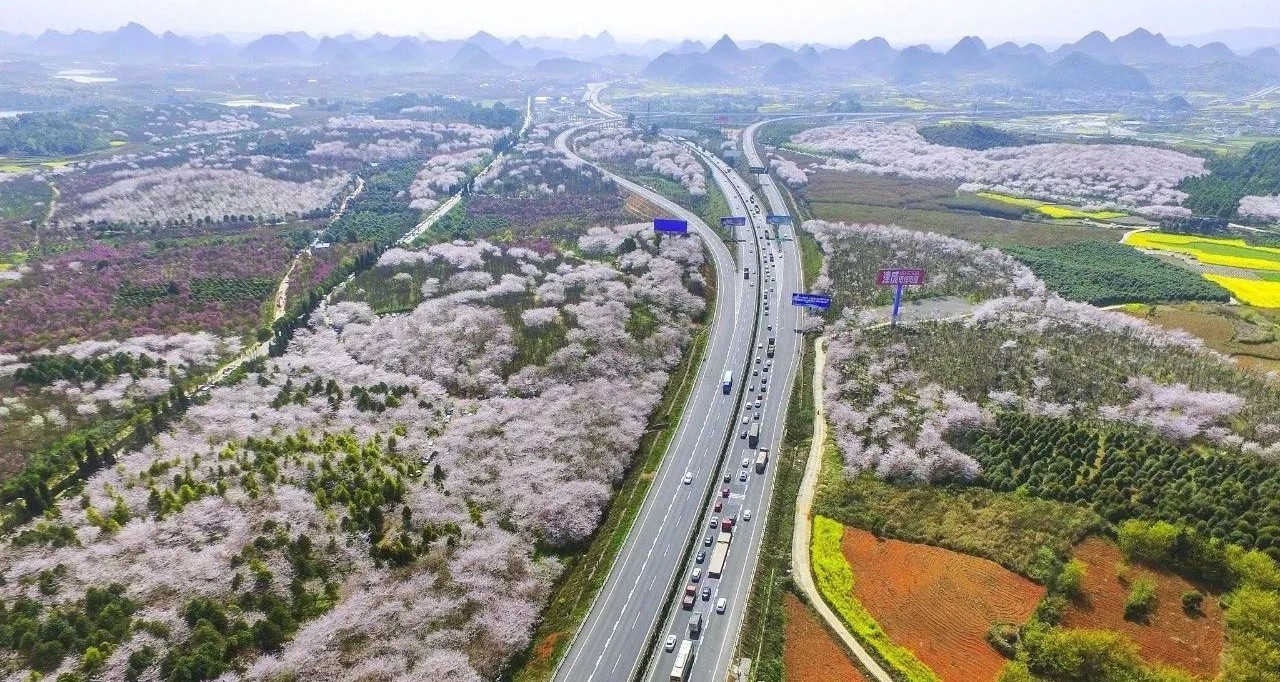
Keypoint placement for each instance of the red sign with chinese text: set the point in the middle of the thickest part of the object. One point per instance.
(900, 277)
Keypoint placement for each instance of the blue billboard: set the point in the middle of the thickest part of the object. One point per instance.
(773, 219)
(819, 301)
(671, 225)
(733, 221)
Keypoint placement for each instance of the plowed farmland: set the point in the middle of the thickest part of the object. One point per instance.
(810, 653)
(938, 603)
(1171, 637)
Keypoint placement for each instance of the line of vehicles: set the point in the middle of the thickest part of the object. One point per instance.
(728, 511)
(719, 540)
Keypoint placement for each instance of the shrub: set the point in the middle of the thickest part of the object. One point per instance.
(1071, 577)
(1191, 601)
(1141, 601)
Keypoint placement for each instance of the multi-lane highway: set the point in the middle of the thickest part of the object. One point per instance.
(614, 640)
(668, 541)
(770, 382)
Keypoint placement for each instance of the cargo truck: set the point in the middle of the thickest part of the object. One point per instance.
(726, 383)
(718, 555)
(762, 459)
(772, 346)
(753, 435)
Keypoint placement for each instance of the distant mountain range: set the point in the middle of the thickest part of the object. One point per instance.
(1095, 62)
(1092, 62)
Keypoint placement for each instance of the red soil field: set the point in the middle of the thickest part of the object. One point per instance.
(810, 653)
(1171, 637)
(938, 603)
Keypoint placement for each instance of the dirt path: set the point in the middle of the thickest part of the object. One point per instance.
(54, 195)
(801, 570)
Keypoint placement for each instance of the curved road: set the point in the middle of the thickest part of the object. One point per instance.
(778, 262)
(613, 641)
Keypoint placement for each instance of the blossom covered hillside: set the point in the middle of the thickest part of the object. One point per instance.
(535, 192)
(663, 157)
(1098, 176)
(985, 399)
(389, 498)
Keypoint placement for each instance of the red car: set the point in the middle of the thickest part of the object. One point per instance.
(719, 505)
(724, 492)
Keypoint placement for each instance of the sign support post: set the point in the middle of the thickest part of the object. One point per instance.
(897, 303)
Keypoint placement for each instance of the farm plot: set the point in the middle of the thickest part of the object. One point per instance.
(1192, 643)
(933, 206)
(1055, 211)
(1214, 251)
(1254, 292)
(810, 653)
(938, 603)
(1246, 334)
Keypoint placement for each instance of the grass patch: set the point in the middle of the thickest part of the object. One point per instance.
(1009, 529)
(589, 570)
(810, 257)
(834, 579)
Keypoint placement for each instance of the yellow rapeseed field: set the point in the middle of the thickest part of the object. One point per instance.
(1251, 291)
(1213, 251)
(1056, 211)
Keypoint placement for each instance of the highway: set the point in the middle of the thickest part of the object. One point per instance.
(714, 652)
(613, 642)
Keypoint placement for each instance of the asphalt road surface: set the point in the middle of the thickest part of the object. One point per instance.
(613, 642)
(780, 276)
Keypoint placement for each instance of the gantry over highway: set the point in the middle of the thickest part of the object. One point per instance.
(752, 340)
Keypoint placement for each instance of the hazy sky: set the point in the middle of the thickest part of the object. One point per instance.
(834, 22)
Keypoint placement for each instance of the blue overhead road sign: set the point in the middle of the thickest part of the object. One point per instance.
(759, 170)
(774, 219)
(670, 225)
(733, 221)
(819, 301)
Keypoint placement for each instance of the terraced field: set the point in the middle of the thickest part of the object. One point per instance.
(1229, 252)
(938, 603)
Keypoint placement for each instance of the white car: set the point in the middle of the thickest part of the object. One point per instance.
(671, 641)
(721, 605)
(746, 514)
(697, 575)
(688, 477)
(746, 462)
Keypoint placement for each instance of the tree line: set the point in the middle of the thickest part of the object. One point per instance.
(1256, 173)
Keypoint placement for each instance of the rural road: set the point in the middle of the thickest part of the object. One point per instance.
(801, 568)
